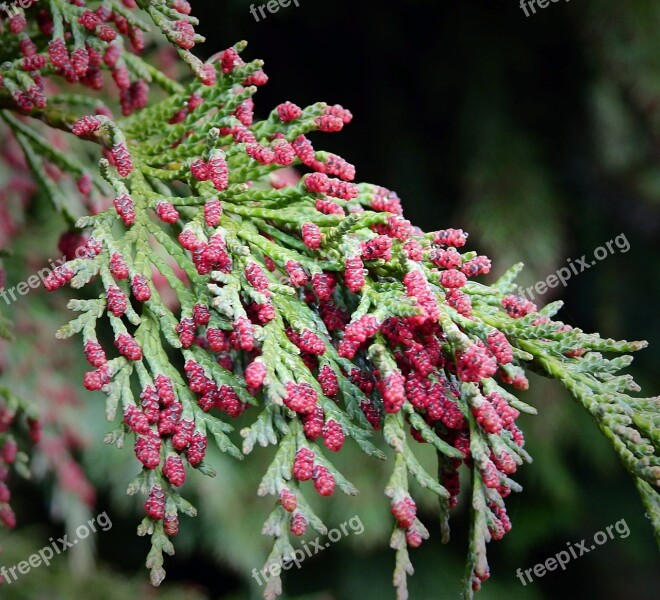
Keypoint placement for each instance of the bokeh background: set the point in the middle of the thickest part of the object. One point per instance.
(540, 136)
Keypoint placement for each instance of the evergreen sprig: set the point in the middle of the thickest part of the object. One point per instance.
(309, 304)
(20, 428)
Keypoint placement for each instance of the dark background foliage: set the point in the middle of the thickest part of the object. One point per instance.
(482, 118)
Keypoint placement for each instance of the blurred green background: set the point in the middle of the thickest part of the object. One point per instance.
(540, 136)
